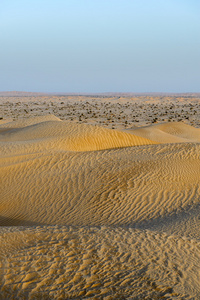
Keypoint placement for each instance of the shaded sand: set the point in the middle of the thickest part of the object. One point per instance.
(93, 213)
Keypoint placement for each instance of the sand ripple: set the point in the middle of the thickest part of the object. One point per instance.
(98, 263)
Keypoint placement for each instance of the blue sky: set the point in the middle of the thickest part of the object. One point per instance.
(100, 45)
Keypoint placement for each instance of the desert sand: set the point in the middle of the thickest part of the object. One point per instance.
(100, 197)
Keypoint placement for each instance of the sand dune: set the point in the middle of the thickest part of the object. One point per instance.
(176, 132)
(120, 223)
(23, 122)
(52, 133)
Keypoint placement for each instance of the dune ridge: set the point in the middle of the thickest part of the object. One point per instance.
(88, 212)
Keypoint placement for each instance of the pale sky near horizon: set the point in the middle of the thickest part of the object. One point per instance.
(100, 45)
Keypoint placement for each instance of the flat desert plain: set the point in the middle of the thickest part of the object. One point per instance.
(100, 197)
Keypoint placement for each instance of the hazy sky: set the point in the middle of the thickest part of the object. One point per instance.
(100, 45)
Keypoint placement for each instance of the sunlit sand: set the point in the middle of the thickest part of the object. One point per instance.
(93, 209)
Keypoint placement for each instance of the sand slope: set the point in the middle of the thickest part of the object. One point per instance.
(120, 223)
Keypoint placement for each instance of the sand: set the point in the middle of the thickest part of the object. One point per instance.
(91, 212)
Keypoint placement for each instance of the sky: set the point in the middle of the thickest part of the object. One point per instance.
(93, 46)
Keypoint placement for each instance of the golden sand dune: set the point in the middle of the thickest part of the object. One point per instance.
(9, 124)
(120, 223)
(61, 135)
(175, 132)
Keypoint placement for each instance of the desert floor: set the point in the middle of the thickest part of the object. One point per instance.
(100, 197)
